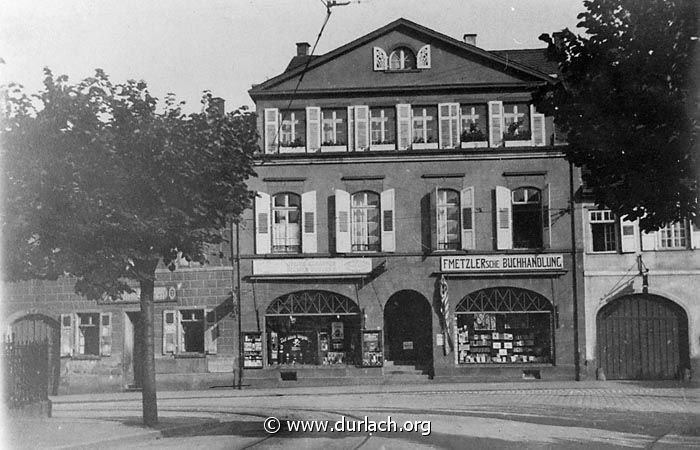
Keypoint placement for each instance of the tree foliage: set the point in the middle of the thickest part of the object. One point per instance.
(98, 178)
(627, 98)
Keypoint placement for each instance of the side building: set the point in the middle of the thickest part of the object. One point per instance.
(412, 218)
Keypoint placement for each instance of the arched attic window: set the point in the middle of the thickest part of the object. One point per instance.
(402, 58)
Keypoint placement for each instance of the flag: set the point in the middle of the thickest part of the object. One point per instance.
(445, 302)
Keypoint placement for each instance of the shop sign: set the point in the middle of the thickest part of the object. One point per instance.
(312, 266)
(160, 294)
(502, 263)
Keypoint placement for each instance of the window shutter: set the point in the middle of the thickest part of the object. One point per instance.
(262, 223)
(388, 210)
(271, 130)
(403, 123)
(351, 128)
(169, 331)
(381, 60)
(448, 124)
(423, 57)
(504, 219)
(649, 240)
(629, 238)
(211, 331)
(313, 128)
(342, 221)
(308, 217)
(495, 123)
(546, 217)
(694, 235)
(468, 230)
(434, 219)
(67, 334)
(106, 334)
(361, 127)
(537, 126)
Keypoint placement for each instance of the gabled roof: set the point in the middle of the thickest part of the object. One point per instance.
(535, 58)
(298, 64)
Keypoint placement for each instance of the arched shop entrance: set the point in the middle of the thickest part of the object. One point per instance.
(313, 328)
(505, 325)
(642, 336)
(38, 328)
(408, 329)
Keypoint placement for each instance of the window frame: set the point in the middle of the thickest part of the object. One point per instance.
(425, 142)
(286, 210)
(442, 221)
(387, 126)
(677, 227)
(365, 223)
(606, 218)
(339, 126)
(515, 204)
(297, 132)
(401, 53)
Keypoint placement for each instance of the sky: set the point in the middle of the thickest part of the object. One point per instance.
(225, 46)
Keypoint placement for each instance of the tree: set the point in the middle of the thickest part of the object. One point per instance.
(100, 185)
(627, 98)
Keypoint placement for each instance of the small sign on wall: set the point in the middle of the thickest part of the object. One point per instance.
(408, 345)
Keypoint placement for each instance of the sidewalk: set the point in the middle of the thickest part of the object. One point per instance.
(102, 428)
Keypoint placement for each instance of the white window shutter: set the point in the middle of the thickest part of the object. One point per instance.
(546, 217)
(649, 241)
(262, 223)
(694, 235)
(629, 236)
(537, 126)
(78, 338)
(272, 118)
(313, 128)
(434, 219)
(361, 127)
(403, 122)
(448, 124)
(106, 334)
(495, 123)
(351, 128)
(67, 334)
(308, 217)
(388, 222)
(466, 199)
(381, 60)
(504, 219)
(170, 320)
(211, 331)
(342, 221)
(423, 57)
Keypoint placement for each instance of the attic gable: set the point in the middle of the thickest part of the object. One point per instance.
(354, 65)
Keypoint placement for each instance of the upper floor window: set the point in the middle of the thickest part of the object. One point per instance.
(527, 218)
(448, 231)
(474, 124)
(383, 126)
(424, 125)
(365, 221)
(516, 119)
(286, 230)
(673, 236)
(334, 122)
(402, 59)
(603, 231)
(293, 129)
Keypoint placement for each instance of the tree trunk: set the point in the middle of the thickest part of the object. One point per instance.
(147, 272)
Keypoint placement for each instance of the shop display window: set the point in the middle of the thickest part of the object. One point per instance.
(496, 338)
(321, 340)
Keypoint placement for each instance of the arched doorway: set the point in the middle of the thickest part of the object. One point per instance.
(40, 328)
(408, 329)
(642, 336)
(313, 328)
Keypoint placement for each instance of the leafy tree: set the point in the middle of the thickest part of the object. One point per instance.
(101, 185)
(627, 97)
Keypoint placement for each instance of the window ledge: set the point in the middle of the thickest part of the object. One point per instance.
(189, 355)
(86, 357)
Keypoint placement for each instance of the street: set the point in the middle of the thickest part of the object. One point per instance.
(520, 415)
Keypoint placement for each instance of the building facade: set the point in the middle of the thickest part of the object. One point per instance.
(642, 310)
(413, 210)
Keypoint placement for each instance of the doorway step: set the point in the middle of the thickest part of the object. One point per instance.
(400, 372)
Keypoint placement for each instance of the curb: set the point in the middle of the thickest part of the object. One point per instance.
(146, 435)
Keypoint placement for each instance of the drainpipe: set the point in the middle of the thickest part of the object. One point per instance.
(574, 274)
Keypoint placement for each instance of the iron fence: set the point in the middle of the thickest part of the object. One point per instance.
(26, 372)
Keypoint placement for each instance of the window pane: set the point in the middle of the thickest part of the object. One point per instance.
(519, 196)
(279, 200)
(294, 216)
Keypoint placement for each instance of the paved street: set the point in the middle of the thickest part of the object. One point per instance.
(539, 415)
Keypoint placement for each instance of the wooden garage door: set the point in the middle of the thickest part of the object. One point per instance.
(642, 337)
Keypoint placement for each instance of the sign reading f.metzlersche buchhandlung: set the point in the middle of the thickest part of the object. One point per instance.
(502, 263)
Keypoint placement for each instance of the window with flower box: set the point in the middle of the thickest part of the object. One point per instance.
(293, 131)
(474, 126)
(383, 128)
(424, 125)
(335, 128)
(516, 120)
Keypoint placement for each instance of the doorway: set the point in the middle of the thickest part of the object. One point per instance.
(133, 345)
(37, 328)
(408, 329)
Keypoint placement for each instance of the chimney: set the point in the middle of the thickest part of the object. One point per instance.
(470, 39)
(216, 107)
(303, 48)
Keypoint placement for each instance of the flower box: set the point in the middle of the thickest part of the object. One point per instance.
(333, 148)
(475, 144)
(382, 147)
(424, 146)
(518, 143)
(298, 149)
